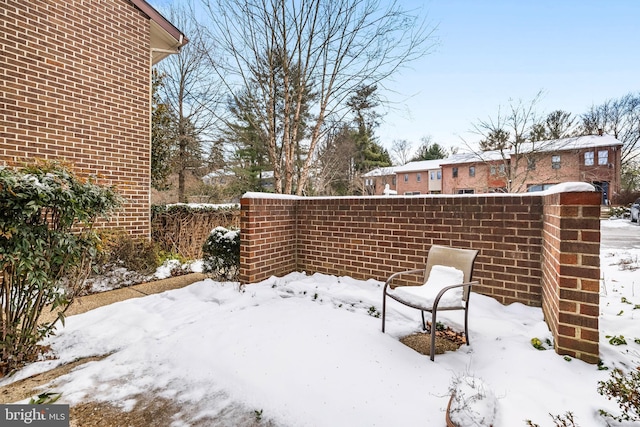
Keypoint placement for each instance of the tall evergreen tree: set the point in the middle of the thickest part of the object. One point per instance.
(162, 136)
(249, 159)
(188, 156)
(369, 153)
(429, 151)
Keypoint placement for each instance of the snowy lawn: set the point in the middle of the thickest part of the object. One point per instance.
(308, 351)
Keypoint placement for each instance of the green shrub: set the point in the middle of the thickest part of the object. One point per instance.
(135, 254)
(47, 243)
(222, 253)
(619, 212)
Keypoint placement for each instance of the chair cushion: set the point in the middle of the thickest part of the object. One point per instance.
(424, 295)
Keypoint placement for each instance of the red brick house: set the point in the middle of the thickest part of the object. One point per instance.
(594, 159)
(76, 86)
(536, 166)
(376, 181)
(474, 173)
(422, 177)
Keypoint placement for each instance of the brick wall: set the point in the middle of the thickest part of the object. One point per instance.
(268, 238)
(571, 272)
(523, 242)
(75, 86)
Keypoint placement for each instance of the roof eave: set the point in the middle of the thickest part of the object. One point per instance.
(166, 39)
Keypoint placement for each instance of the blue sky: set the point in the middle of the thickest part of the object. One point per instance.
(578, 52)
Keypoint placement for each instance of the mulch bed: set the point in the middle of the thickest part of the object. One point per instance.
(446, 340)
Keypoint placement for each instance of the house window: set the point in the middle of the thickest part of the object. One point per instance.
(433, 176)
(455, 172)
(439, 174)
(406, 177)
(492, 170)
(555, 162)
(472, 171)
(588, 158)
(603, 157)
(466, 191)
(502, 169)
(531, 163)
(418, 177)
(393, 181)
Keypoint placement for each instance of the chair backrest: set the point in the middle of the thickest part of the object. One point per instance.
(462, 259)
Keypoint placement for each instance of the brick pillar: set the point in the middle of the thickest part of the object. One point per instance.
(268, 240)
(571, 272)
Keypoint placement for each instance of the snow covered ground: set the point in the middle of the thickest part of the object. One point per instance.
(308, 351)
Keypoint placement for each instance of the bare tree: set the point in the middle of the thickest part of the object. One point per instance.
(506, 140)
(335, 172)
(620, 118)
(192, 94)
(401, 150)
(288, 49)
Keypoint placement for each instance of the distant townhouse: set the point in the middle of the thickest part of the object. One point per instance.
(377, 180)
(483, 172)
(537, 166)
(423, 177)
(594, 159)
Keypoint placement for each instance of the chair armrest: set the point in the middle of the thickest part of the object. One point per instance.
(446, 288)
(394, 275)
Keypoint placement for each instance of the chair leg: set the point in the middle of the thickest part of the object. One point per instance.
(424, 324)
(384, 308)
(433, 334)
(466, 326)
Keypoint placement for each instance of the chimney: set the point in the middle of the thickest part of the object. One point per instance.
(600, 131)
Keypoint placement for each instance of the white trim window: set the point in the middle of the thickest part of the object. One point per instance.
(588, 158)
(603, 157)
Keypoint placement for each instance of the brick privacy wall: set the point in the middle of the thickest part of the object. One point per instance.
(372, 237)
(75, 84)
(571, 272)
(267, 238)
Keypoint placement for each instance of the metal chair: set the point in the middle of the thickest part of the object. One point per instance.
(431, 296)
